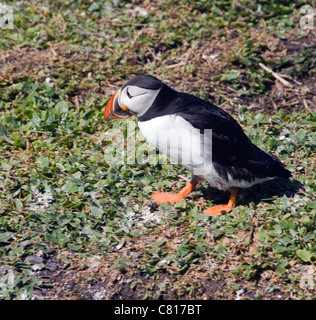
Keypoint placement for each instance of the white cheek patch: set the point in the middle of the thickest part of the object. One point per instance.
(141, 99)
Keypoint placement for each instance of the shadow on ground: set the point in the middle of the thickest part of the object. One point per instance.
(264, 192)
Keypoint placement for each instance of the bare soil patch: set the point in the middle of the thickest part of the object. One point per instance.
(210, 59)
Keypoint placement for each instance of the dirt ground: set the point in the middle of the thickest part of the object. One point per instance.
(98, 277)
(209, 57)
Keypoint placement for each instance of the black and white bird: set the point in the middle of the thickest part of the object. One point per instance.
(197, 134)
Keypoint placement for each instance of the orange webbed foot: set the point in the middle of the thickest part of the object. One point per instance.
(164, 197)
(217, 210)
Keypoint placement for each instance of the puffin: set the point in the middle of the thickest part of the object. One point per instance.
(200, 136)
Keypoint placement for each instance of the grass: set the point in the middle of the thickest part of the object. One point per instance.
(66, 213)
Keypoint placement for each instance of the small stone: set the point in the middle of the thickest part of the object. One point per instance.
(34, 260)
(71, 284)
(11, 58)
(52, 266)
(170, 62)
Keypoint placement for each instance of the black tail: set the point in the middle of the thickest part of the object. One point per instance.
(263, 164)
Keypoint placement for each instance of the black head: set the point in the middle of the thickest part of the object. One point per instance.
(134, 98)
(144, 81)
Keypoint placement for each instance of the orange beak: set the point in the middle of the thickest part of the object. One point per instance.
(109, 109)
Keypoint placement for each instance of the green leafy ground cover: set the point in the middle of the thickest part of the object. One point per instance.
(73, 225)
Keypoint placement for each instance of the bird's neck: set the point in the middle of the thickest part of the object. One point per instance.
(161, 105)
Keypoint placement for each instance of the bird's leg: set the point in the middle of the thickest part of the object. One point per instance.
(163, 197)
(217, 210)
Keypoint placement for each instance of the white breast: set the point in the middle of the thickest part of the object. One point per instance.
(183, 143)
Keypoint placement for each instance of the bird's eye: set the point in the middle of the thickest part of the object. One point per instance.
(128, 94)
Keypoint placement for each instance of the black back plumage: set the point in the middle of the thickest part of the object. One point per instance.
(233, 153)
